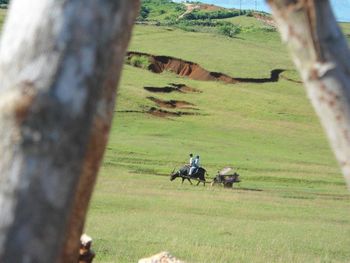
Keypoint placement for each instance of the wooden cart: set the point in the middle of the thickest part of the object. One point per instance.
(226, 177)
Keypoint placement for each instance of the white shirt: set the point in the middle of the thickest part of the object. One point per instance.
(192, 161)
(196, 162)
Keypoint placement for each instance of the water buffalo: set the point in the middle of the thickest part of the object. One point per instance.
(198, 174)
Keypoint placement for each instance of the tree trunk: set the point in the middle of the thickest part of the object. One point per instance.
(321, 55)
(60, 62)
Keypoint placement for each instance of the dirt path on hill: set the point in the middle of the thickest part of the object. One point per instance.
(267, 20)
(206, 7)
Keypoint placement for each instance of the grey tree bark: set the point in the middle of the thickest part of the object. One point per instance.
(60, 62)
(322, 57)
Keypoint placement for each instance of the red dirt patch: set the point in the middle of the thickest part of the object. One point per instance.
(164, 113)
(160, 113)
(189, 69)
(205, 7)
(159, 64)
(182, 88)
(171, 104)
(208, 7)
(267, 20)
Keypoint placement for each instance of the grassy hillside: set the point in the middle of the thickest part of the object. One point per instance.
(2, 16)
(292, 204)
(159, 10)
(197, 17)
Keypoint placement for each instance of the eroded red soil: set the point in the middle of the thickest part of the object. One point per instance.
(159, 64)
(171, 104)
(182, 88)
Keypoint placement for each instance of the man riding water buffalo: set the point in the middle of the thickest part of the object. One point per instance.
(191, 171)
(194, 164)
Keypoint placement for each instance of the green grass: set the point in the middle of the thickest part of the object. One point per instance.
(292, 204)
(139, 62)
(160, 10)
(2, 16)
(221, 22)
(245, 21)
(135, 215)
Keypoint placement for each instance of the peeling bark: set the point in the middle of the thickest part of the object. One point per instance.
(322, 57)
(98, 138)
(59, 66)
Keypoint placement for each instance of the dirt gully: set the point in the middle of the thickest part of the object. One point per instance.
(159, 64)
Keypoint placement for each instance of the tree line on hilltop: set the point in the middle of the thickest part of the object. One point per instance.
(169, 13)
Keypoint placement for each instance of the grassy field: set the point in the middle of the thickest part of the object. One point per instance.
(2, 16)
(292, 204)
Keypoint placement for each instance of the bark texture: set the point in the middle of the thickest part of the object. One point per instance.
(60, 62)
(322, 57)
(98, 136)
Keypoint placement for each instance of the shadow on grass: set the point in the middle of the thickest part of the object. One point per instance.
(249, 189)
